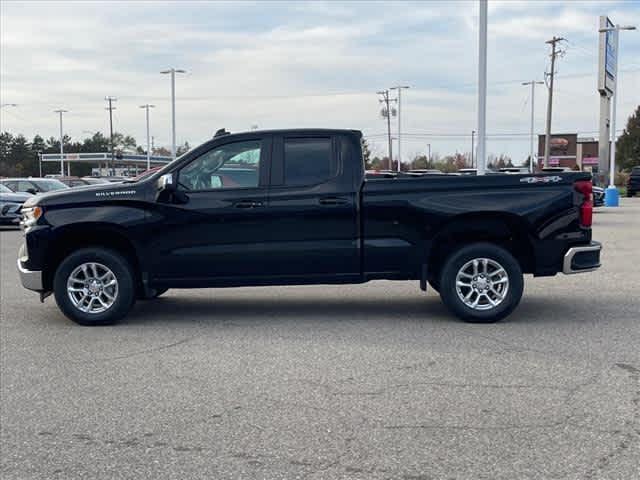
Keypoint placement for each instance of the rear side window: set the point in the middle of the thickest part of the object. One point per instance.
(308, 161)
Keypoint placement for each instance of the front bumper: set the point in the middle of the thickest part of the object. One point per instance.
(30, 279)
(582, 259)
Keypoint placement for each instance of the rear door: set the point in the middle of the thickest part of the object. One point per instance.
(313, 210)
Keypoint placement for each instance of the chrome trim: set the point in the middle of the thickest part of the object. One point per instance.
(30, 279)
(568, 258)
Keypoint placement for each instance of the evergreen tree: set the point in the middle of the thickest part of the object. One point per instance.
(628, 144)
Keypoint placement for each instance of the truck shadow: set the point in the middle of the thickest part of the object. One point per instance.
(217, 309)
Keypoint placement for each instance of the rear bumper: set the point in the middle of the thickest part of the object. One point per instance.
(582, 259)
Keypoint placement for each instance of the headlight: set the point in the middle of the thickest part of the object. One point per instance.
(30, 215)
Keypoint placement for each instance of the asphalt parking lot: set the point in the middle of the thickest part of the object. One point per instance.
(375, 381)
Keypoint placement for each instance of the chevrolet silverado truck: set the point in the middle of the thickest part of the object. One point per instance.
(292, 207)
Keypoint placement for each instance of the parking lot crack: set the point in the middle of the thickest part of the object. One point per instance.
(628, 437)
(146, 351)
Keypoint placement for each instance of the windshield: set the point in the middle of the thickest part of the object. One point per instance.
(5, 189)
(50, 185)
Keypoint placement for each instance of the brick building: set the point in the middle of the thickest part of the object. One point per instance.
(570, 150)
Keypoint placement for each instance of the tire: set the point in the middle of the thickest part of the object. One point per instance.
(505, 294)
(78, 272)
(153, 293)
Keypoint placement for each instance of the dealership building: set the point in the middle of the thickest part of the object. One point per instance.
(570, 150)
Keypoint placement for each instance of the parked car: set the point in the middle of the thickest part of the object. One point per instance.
(426, 171)
(146, 173)
(598, 196)
(10, 204)
(633, 184)
(33, 185)
(95, 180)
(309, 217)
(74, 181)
(380, 174)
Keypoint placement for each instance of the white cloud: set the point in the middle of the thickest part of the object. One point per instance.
(277, 64)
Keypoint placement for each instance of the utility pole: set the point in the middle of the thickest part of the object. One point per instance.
(173, 72)
(473, 134)
(111, 108)
(533, 84)
(399, 88)
(482, 88)
(386, 113)
(147, 107)
(554, 53)
(429, 157)
(60, 112)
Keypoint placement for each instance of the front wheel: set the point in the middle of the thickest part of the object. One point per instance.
(481, 283)
(94, 286)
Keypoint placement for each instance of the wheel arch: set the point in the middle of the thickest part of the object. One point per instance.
(85, 235)
(506, 230)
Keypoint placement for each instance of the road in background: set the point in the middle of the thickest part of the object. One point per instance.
(373, 381)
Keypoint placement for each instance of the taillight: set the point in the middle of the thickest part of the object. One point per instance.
(585, 187)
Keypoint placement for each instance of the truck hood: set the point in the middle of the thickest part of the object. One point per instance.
(89, 194)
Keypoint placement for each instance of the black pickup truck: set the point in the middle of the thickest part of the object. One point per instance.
(294, 207)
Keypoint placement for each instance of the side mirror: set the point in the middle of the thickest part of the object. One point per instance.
(167, 183)
(32, 191)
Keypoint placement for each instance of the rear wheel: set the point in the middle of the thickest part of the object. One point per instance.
(94, 286)
(481, 283)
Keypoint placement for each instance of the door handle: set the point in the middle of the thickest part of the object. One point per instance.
(247, 204)
(333, 201)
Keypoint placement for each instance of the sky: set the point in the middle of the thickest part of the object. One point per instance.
(308, 64)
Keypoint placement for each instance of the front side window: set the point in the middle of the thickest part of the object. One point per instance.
(234, 165)
(308, 161)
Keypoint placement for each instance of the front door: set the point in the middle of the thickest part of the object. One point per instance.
(218, 231)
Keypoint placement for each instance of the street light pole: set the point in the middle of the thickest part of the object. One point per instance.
(147, 107)
(482, 88)
(533, 84)
(173, 72)
(399, 88)
(60, 112)
(473, 133)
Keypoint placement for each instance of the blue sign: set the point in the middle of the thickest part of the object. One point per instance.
(610, 55)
